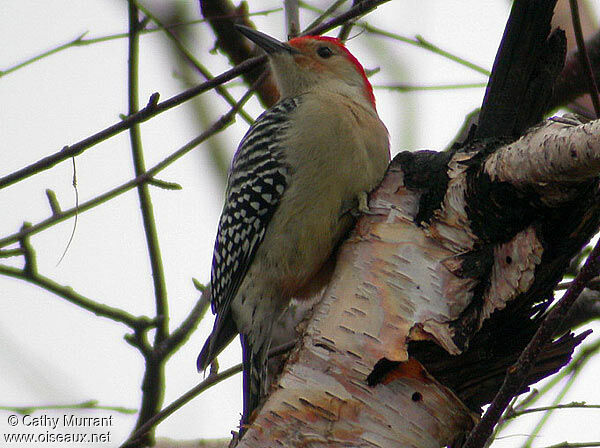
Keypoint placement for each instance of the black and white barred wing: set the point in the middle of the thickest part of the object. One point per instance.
(256, 183)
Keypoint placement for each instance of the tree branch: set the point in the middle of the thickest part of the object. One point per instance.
(154, 107)
(417, 41)
(67, 293)
(292, 18)
(193, 60)
(220, 124)
(90, 404)
(153, 380)
(222, 15)
(573, 405)
(185, 329)
(30, 273)
(584, 59)
(81, 41)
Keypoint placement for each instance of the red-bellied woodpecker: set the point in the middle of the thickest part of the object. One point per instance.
(300, 171)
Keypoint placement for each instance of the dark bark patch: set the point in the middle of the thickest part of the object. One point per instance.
(426, 171)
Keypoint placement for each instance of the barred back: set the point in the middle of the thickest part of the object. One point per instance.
(256, 182)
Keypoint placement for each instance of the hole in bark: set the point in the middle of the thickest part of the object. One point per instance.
(417, 396)
(508, 259)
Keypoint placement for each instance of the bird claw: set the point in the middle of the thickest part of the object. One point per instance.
(362, 207)
(570, 119)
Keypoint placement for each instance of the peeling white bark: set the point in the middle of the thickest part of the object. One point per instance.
(560, 151)
(389, 287)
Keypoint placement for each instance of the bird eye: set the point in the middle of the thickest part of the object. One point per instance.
(324, 52)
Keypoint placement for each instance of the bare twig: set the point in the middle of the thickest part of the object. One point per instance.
(323, 14)
(418, 41)
(584, 58)
(146, 206)
(413, 88)
(30, 273)
(151, 423)
(80, 40)
(90, 404)
(67, 293)
(355, 12)
(193, 60)
(185, 329)
(574, 445)
(152, 109)
(153, 380)
(220, 124)
(292, 18)
(573, 405)
(11, 253)
(347, 27)
(593, 284)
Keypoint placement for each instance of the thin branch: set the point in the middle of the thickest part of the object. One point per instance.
(571, 371)
(418, 41)
(593, 284)
(413, 88)
(153, 382)
(183, 332)
(11, 253)
(193, 60)
(140, 432)
(516, 374)
(148, 220)
(423, 43)
(323, 14)
(292, 18)
(220, 124)
(347, 27)
(573, 445)
(67, 293)
(574, 405)
(503, 421)
(355, 12)
(91, 404)
(80, 41)
(164, 185)
(152, 109)
(584, 59)
(544, 419)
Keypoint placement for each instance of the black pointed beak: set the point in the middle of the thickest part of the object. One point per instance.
(266, 42)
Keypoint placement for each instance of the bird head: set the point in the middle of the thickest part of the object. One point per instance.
(310, 63)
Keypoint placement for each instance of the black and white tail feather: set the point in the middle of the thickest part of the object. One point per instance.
(257, 180)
